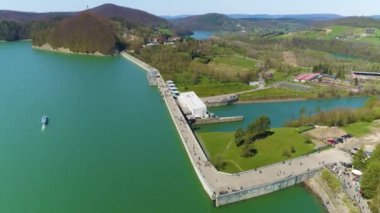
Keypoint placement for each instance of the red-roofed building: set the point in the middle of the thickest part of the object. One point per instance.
(306, 77)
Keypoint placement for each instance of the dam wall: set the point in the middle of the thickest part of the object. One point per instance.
(256, 191)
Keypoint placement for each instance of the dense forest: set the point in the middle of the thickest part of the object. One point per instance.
(13, 31)
(86, 32)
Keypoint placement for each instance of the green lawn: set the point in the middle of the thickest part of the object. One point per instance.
(204, 90)
(358, 129)
(235, 61)
(206, 86)
(275, 93)
(270, 150)
(332, 181)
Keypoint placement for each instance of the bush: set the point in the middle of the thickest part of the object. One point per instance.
(341, 117)
(220, 163)
(332, 181)
(286, 153)
(248, 151)
(371, 180)
(293, 149)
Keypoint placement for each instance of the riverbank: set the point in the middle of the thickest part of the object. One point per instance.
(279, 100)
(272, 100)
(48, 47)
(317, 190)
(331, 193)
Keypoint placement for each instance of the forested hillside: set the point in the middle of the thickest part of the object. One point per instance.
(86, 33)
(209, 22)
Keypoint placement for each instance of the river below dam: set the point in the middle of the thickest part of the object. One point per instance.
(110, 145)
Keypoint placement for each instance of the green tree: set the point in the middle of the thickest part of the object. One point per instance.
(239, 137)
(220, 163)
(374, 204)
(248, 150)
(356, 81)
(358, 160)
(370, 180)
(263, 126)
(259, 127)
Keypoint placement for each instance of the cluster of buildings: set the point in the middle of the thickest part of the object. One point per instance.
(161, 40)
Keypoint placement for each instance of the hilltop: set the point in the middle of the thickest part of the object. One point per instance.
(208, 22)
(134, 16)
(107, 10)
(363, 22)
(15, 25)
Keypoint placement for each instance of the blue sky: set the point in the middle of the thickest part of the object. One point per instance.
(177, 7)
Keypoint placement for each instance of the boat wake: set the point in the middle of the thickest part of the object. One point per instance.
(43, 127)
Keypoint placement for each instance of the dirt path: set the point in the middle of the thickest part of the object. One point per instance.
(228, 146)
(237, 165)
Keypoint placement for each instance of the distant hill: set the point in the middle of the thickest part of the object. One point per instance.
(85, 33)
(134, 16)
(296, 17)
(363, 22)
(16, 25)
(16, 16)
(208, 22)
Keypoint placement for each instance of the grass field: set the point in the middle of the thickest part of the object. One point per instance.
(235, 61)
(211, 89)
(358, 129)
(221, 145)
(275, 93)
(207, 87)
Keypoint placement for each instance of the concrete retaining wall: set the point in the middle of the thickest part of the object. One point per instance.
(264, 189)
(219, 120)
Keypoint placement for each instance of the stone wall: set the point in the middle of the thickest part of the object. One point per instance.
(264, 189)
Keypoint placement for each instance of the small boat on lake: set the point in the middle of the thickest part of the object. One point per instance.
(44, 120)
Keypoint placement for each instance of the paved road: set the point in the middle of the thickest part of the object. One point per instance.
(352, 188)
(219, 97)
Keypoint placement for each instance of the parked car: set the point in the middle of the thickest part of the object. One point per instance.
(331, 141)
(354, 151)
(340, 140)
(347, 136)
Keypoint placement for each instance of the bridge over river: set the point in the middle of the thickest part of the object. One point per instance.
(228, 188)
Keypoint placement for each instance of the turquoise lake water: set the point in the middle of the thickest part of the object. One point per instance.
(202, 35)
(278, 112)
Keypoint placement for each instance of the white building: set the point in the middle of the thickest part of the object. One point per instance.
(192, 104)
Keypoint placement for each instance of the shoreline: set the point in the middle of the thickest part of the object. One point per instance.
(272, 100)
(48, 47)
(275, 100)
(314, 188)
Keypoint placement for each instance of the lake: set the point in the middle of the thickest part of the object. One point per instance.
(110, 145)
(202, 35)
(278, 112)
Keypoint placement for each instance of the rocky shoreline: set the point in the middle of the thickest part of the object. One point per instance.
(48, 47)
